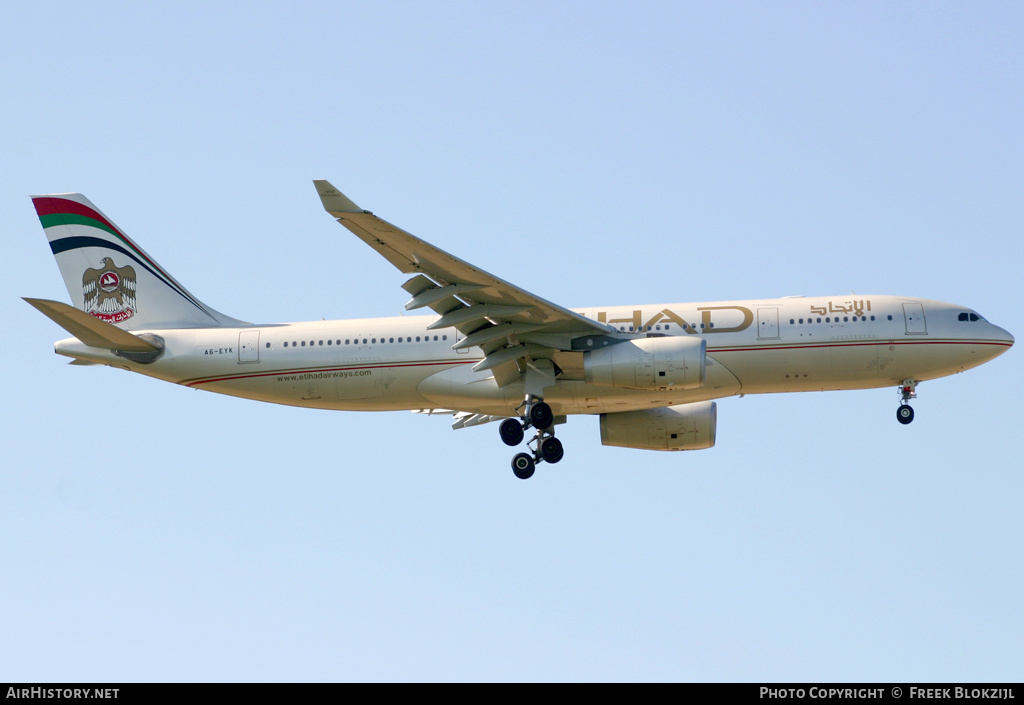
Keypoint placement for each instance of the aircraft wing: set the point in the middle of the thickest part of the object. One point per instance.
(508, 323)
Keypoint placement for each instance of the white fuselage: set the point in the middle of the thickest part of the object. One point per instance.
(753, 347)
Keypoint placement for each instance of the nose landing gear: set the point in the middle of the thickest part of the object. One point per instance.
(546, 448)
(905, 413)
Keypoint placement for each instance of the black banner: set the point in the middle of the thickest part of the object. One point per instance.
(785, 692)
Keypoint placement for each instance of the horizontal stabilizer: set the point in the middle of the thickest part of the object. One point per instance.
(91, 330)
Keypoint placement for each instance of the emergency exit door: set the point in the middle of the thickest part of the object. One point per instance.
(914, 316)
(767, 323)
(249, 346)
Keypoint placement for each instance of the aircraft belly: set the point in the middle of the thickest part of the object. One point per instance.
(461, 389)
(925, 360)
(806, 367)
(843, 363)
(365, 384)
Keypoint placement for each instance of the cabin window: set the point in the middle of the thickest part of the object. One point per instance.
(268, 345)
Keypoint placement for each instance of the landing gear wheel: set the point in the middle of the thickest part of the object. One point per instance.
(551, 450)
(905, 414)
(541, 416)
(511, 432)
(523, 466)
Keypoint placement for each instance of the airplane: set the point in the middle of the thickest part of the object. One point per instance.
(493, 352)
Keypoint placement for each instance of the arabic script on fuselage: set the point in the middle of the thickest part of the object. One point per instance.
(857, 308)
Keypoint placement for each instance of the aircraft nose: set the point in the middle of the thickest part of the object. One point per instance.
(1003, 336)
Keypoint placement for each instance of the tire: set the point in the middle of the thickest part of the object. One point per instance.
(541, 416)
(551, 450)
(904, 414)
(511, 432)
(523, 466)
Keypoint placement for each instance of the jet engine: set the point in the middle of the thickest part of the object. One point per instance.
(680, 427)
(675, 362)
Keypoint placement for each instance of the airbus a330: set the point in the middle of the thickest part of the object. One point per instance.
(492, 351)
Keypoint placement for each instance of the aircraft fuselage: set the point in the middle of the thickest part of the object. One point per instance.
(791, 344)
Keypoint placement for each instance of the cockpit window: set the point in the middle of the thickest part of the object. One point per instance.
(969, 317)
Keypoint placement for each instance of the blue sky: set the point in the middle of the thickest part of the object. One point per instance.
(594, 154)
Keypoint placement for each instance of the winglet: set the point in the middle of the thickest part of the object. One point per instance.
(335, 202)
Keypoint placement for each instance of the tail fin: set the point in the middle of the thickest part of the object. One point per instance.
(112, 278)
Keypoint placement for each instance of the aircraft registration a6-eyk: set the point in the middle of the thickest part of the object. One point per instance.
(494, 352)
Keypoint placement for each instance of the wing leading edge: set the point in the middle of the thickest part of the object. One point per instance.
(511, 325)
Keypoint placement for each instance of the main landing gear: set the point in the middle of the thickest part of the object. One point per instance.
(905, 413)
(545, 447)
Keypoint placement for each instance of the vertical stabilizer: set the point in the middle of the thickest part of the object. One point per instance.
(112, 278)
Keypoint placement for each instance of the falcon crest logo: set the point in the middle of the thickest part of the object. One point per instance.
(109, 291)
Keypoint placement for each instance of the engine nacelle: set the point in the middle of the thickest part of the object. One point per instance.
(680, 427)
(675, 362)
